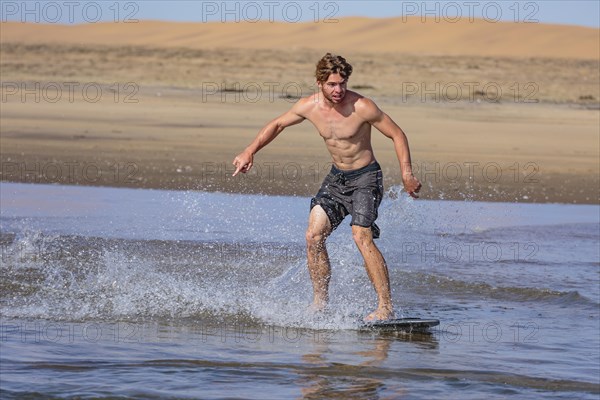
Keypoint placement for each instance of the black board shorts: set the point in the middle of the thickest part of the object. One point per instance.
(356, 192)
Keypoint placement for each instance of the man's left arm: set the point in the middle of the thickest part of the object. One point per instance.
(380, 120)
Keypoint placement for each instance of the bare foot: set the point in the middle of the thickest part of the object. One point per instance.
(379, 315)
(317, 307)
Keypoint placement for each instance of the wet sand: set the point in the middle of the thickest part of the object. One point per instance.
(172, 139)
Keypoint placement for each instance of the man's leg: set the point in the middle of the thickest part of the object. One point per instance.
(318, 230)
(377, 271)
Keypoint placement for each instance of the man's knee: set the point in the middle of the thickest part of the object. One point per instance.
(319, 227)
(363, 237)
(315, 238)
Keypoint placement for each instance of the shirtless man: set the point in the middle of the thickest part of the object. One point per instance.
(355, 184)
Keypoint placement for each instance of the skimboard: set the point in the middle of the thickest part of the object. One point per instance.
(407, 325)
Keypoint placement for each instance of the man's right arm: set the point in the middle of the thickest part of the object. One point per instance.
(243, 161)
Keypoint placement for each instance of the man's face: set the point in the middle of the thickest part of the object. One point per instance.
(334, 88)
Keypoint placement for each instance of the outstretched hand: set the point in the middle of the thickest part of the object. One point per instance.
(411, 185)
(242, 162)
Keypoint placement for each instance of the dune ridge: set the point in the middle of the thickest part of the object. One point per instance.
(397, 35)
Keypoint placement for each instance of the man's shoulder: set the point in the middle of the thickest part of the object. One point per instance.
(365, 106)
(361, 101)
(310, 99)
(305, 104)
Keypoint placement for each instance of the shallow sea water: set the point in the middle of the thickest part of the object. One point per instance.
(110, 292)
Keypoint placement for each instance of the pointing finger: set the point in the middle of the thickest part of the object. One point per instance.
(238, 167)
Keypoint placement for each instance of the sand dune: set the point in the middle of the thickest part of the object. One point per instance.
(480, 37)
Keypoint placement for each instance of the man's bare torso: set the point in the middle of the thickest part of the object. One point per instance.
(346, 134)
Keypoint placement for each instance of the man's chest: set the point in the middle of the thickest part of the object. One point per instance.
(337, 125)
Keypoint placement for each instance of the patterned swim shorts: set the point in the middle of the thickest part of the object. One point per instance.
(357, 192)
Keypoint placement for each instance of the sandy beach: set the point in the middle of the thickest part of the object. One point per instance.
(159, 113)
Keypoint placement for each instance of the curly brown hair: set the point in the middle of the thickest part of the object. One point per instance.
(332, 64)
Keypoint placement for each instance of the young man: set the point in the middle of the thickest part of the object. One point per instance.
(354, 186)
